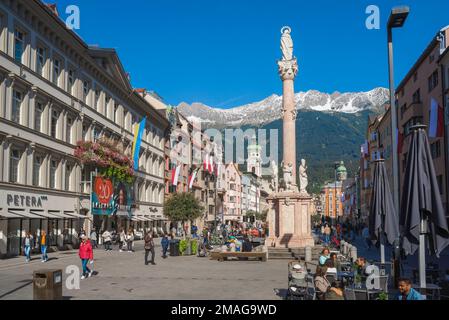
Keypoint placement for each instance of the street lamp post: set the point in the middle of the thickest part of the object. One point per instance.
(336, 164)
(396, 20)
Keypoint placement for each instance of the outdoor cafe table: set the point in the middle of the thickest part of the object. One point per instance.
(430, 287)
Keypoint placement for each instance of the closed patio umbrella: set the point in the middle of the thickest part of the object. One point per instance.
(383, 218)
(422, 210)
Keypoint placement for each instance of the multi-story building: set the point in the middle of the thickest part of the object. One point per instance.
(250, 195)
(332, 204)
(232, 204)
(55, 91)
(444, 63)
(414, 95)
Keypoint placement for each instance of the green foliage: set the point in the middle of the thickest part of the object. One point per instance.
(182, 207)
(262, 216)
(383, 296)
(183, 246)
(316, 218)
(194, 245)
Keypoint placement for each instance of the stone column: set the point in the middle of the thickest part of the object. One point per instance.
(288, 69)
(29, 163)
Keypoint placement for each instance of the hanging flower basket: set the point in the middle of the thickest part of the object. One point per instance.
(108, 159)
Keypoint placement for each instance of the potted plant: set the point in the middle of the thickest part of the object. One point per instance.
(182, 246)
(382, 296)
(194, 246)
(188, 251)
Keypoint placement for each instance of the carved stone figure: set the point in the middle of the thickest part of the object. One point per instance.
(288, 176)
(303, 179)
(286, 44)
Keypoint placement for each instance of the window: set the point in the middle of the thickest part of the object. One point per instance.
(97, 132)
(415, 76)
(19, 45)
(53, 169)
(41, 60)
(403, 108)
(69, 125)
(86, 89)
(440, 183)
(37, 164)
(71, 81)
(56, 71)
(115, 115)
(16, 106)
(435, 149)
(14, 166)
(404, 162)
(85, 130)
(433, 81)
(412, 122)
(54, 124)
(38, 116)
(417, 96)
(68, 176)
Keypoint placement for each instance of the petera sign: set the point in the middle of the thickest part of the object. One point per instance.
(16, 200)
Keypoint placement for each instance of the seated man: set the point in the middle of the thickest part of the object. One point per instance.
(361, 267)
(406, 292)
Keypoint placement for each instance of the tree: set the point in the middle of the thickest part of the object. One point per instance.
(262, 216)
(182, 206)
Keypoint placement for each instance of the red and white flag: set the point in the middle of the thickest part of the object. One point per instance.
(436, 126)
(192, 178)
(175, 175)
(210, 167)
(206, 162)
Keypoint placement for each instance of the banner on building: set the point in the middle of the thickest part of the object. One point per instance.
(110, 197)
(138, 131)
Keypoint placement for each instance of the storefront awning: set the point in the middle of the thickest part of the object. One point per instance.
(9, 215)
(75, 215)
(25, 215)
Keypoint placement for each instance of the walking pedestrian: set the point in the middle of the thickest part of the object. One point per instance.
(27, 244)
(164, 243)
(366, 237)
(93, 238)
(149, 247)
(327, 234)
(107, 239)
(86, 254)
(130, 240)
(43, 242)
(122, 240)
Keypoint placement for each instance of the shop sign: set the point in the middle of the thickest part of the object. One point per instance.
(25, 201)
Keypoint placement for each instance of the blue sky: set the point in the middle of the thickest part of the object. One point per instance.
(223, 53)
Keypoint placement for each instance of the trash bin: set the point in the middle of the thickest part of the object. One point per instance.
(174, 248)
(47, 285)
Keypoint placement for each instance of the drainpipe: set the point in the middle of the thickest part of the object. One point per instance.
(445, 83)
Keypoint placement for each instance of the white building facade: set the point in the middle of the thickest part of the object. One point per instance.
(55, 91)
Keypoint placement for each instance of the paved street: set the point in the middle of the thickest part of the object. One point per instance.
(124, 276)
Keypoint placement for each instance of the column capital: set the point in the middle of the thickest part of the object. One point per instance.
(288, 69)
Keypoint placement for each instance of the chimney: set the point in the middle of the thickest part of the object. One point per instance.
(53, 9)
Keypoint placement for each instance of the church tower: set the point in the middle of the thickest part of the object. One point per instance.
(254, 162)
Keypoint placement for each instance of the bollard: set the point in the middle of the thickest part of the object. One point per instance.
(342, 245)
(348, 250)
(308, 254)
(354, 253)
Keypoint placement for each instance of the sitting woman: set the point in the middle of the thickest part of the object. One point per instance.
(325, 254)
(336, 262)
(323, 287)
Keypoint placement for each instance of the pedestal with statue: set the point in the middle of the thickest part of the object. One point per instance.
(289, 216)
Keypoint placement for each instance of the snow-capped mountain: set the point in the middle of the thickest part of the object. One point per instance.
(269, 109)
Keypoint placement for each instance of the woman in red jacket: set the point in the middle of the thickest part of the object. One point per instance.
(86, 254)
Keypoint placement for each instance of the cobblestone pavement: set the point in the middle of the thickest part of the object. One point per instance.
(123, 275)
